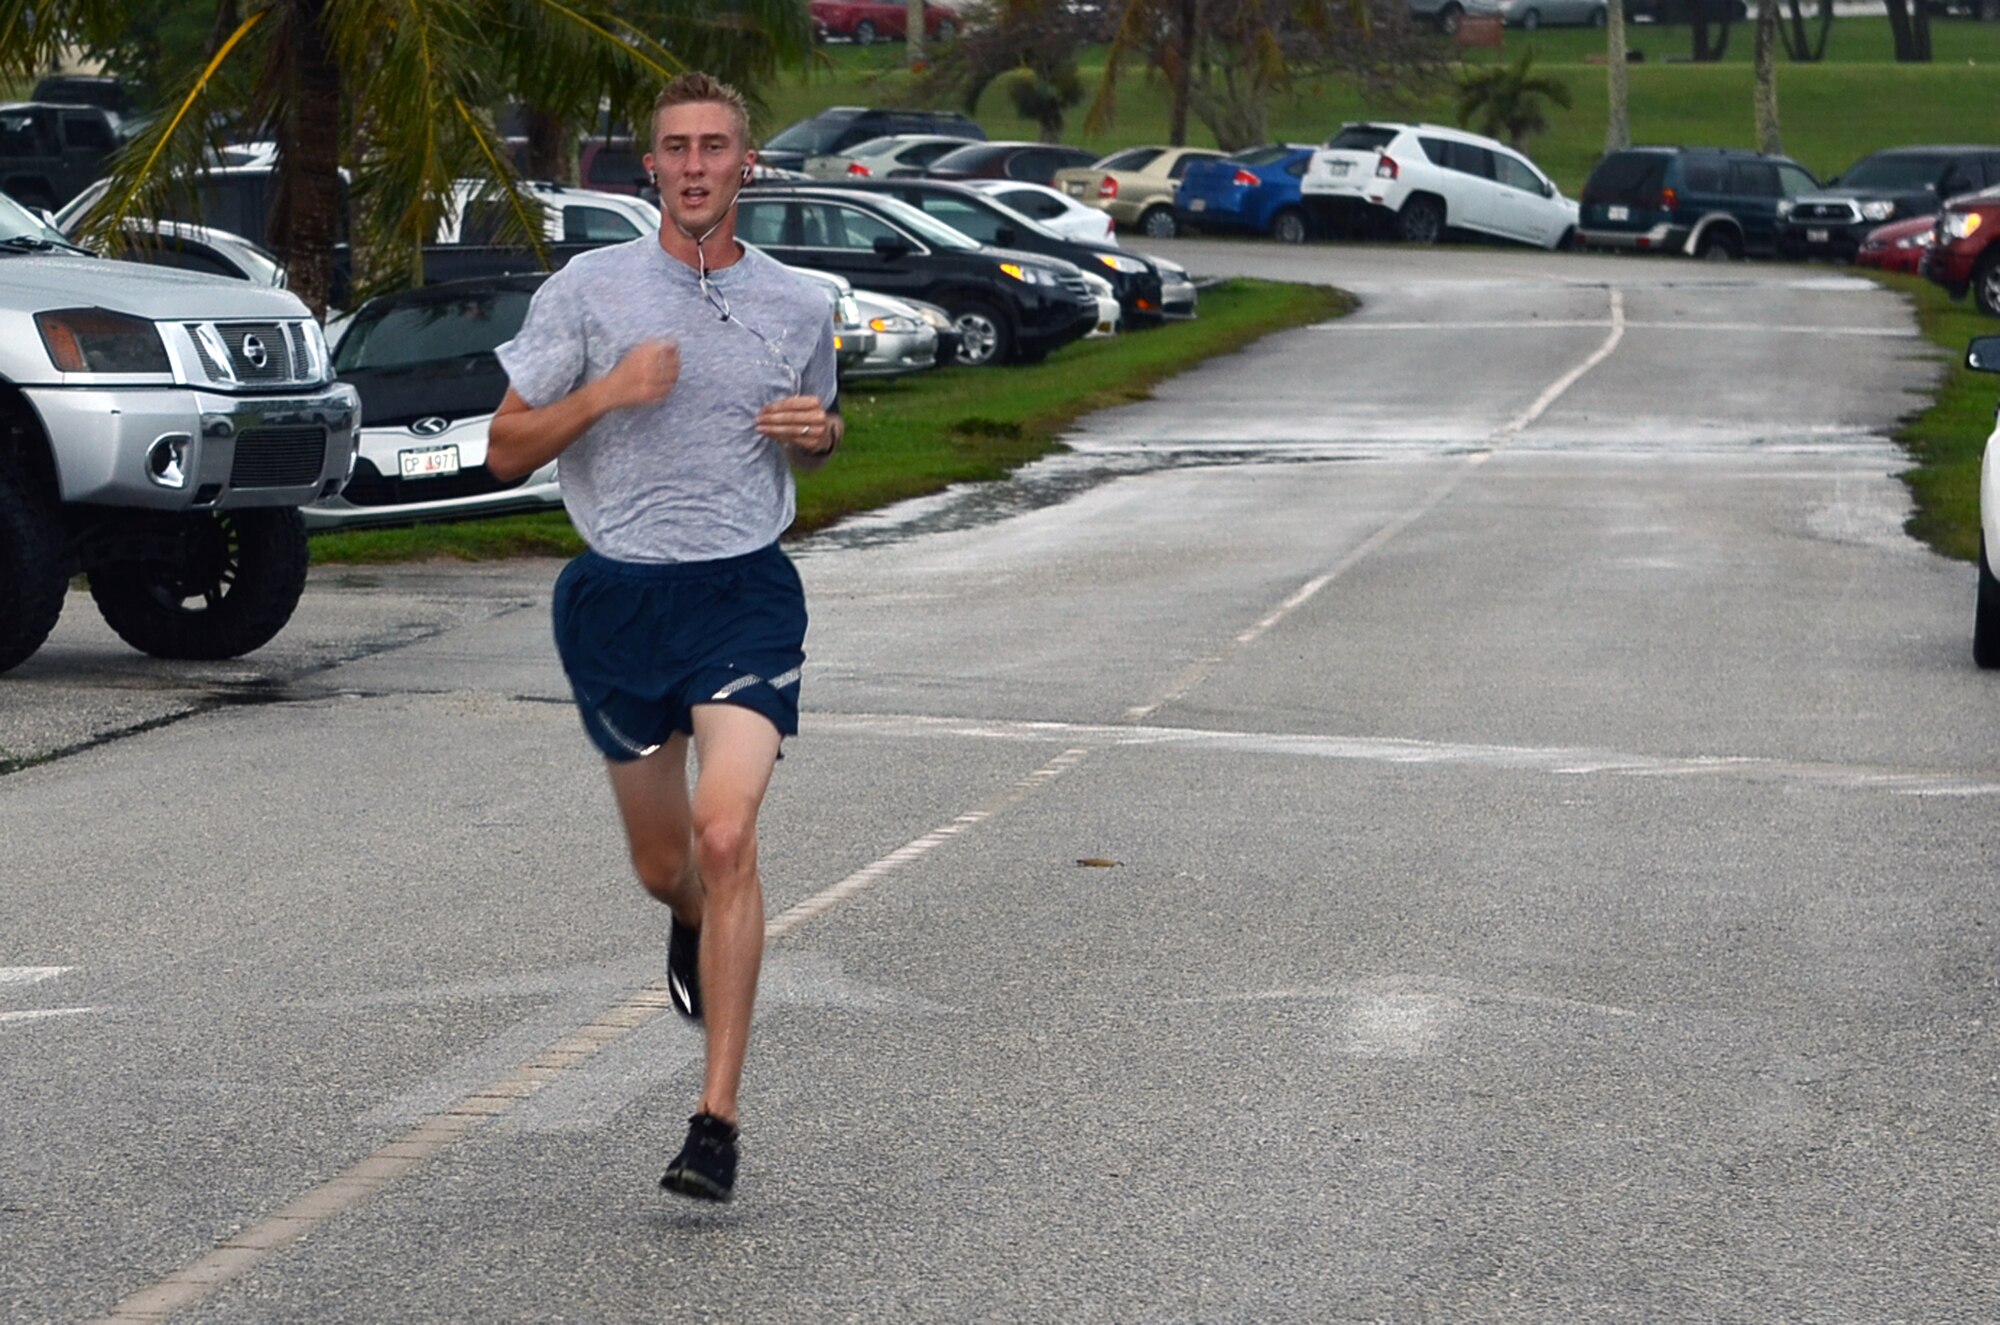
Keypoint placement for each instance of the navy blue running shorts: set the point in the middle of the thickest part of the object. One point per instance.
(644, 644)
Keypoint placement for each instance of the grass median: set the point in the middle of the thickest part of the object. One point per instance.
(919, 435)
(1948, 439)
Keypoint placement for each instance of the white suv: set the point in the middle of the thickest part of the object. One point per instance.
(1420, 180)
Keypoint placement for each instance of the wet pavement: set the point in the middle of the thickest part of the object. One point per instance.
(1541, 815)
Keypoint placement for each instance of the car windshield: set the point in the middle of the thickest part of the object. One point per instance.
(1262, 156)
(432, 329)
(17, 222)
(1901, 174)
(926, 226)
(814, 137)
(967, 158)
(1362, 138)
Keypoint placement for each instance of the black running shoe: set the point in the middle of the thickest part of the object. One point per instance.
(684, 969)
(706, 1167)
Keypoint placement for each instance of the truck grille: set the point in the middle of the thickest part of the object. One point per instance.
(278, 457)
(1840, 213)
(256, 354)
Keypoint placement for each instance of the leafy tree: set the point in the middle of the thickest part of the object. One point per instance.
(1506, 100)
(397, 92)
(1226, 59)
(1030, 46)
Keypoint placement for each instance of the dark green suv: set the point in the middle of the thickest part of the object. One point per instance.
(1712, 202)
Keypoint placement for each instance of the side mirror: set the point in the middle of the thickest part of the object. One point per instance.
(1548, 189)
(1983, 354)
(1005, 237)
(889, 247)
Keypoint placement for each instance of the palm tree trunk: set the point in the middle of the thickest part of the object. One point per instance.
(551, 148)
(1617, 81)
(1766, 62)
(1181, 71)
(913, 35)
(305, 217)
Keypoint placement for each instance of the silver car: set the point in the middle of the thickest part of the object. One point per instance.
(905, 339)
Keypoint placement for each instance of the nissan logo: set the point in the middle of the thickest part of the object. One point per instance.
(254, 351)
(430, 426)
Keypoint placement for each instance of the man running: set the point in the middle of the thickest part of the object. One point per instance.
(681, 379)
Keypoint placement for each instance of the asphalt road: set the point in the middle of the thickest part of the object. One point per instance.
(1554, 815)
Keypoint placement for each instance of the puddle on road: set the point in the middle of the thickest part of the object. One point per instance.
(1047, 482)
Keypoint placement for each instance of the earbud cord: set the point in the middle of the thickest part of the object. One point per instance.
(700, 252)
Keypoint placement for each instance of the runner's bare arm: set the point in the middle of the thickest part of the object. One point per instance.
(522, 438)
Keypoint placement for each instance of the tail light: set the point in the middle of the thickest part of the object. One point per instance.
(1245, 180)
(1669, 200)
(1387, 168)
(856, 168)
(1107, 189)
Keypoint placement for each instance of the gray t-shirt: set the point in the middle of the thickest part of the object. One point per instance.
(689, 478)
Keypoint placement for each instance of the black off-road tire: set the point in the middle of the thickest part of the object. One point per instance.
(1421, 221)
(233, 589)
(1986, 615)
(1159, 222)
(985, 335)
(34, 570)
(1986, 283)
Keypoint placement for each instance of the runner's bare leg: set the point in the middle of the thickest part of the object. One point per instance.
(652, 796)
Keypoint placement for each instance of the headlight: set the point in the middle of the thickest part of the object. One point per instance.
(1119, 262)
(849, 312)
(1877, 211)
(895, 324)
(1784, 208)
(1027, 275)
(1167, 267)
(935, 317)
(1961, 225)
(1923, 239)
(1098, 285)
(96, 340)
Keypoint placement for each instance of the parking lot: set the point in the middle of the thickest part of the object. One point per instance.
(1542, 814)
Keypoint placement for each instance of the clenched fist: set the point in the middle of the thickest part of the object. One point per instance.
(644, 376)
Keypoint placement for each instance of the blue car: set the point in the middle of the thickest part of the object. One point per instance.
(1256, 190)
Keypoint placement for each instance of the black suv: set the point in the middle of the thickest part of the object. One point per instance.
(1008, 306)
(1134, 278)
(115, 95)
(1888, 186)
(48, 153)
(841, 127)
(1713, 202)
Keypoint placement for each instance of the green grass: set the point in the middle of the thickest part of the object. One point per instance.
(1833, 113)
(1948, 439)
(919, 435)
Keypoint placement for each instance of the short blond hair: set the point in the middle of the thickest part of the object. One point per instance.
(695, 86)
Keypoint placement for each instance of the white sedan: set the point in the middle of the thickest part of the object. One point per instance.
(1053, 208)
(1984, 355)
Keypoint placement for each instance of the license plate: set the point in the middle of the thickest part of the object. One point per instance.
(1074, 189)
(429, 461)
(1197, 204)
(1817, 236)
(1337, 167)
(1617, 213)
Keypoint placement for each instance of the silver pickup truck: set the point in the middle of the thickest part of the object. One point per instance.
(158, 432)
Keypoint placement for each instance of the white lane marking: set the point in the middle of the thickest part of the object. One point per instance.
(1526, 418)
(1202, 668)
(30, 975)
(359, 1181)
(1558, 761)
(1350, 325)
(39, 1014)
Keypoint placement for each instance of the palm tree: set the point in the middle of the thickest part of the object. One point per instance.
(400, 94)
(1766, 61)
(1505, 100)
(1617, 79)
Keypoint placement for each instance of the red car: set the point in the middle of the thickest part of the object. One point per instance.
(865, 22)
(1898, 246)
(1964, 256)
